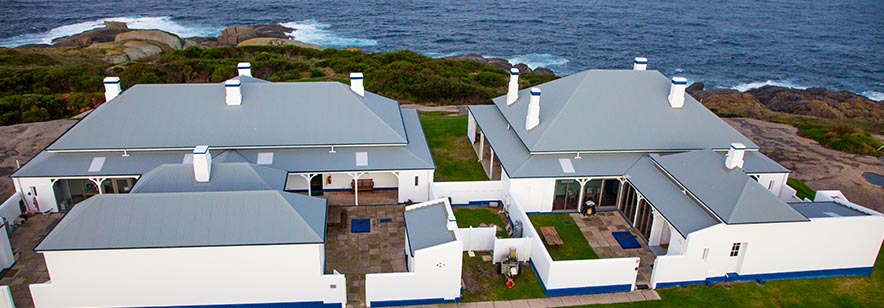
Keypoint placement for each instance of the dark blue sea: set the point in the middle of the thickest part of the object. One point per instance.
(838, 44)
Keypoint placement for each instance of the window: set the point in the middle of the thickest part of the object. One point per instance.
(735, 249)
(705, 253)
(416, 181)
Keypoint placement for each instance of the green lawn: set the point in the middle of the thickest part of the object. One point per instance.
(474, 217)
(575, 248)
(484, 283)
(802, 191)
(454, 156)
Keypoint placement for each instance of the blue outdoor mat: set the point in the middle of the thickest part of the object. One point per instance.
(626, 240)
(360, 225)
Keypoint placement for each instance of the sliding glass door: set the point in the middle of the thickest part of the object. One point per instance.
(566, 196)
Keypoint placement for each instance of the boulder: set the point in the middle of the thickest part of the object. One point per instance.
(503, 64)
(116, 25)
(166, 38)
(819, 102)
(729, 103)
(543, 71)
(231, 36)
(90, 37)
(695, 87)
(275, 30)
(270, 41)
(129, 50)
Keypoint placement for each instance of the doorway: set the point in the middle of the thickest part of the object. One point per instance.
(567, 194)
(316, 185)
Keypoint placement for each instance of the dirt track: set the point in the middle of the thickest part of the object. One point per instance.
(23, 141)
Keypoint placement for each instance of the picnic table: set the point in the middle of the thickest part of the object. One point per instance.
(551, 236)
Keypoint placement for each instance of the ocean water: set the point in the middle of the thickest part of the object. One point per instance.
(838, 44)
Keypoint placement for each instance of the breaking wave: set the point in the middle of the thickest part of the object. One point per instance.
(314, 32)
(164, 23)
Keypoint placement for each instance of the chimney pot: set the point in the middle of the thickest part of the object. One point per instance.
(512, 93)
(640, 64)
(233, 89)
(244, 69)
(202, 163)
(676, 92)
(533, 117)
(356, 83)
(112, 88)
(734, 157)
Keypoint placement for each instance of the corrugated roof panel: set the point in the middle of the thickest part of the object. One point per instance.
(97, 164)
(427, 227)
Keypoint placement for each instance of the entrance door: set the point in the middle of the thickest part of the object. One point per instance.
(644, 219)
(316, 185)
(566, 196)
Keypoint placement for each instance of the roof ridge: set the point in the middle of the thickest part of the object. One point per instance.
(362, 102)
(561, 110)
(291, 207)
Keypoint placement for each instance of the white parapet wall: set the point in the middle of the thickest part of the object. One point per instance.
(467, 192)
(562, 278)
(480, 238)
(435, 278)
(189, 276)
(502, 247)
(10, 209)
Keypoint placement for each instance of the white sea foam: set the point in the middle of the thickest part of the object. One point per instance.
(164, 23)
(535, 60)
(758, 84)
(314, 32)
(874, 95)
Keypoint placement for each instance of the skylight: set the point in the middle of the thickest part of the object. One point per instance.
(361, 158)
(831, 214)
(265, 158)
(97, 164)
(567, 166)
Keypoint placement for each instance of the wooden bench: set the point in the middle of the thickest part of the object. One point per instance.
(551, 236)
(362, 185)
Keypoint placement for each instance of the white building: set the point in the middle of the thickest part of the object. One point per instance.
(696, 191)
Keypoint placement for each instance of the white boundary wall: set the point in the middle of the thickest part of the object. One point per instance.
(502, 248)
(574, 273)
(188, 276)
(464, 192)
(481, 238)
(10, 209)
(6, 298)
(436, 275)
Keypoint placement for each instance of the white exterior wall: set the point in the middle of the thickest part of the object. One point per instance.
(407, 189)
(533, 195)
(480, 238)
(774, 182)
(404, 182)
(45, 193)
(502, 248)
(465, 192)
(342, 180)
(188, 276)
(820, 244)
(471, 128)
(435, 274)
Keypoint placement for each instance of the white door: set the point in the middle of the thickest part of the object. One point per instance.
(735, 258)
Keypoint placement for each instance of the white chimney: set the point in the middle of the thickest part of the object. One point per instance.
(734, 157)
(234, 92)
(112, 88)
(202, 163)
(244, 69)
(533, 118)
(356, 83)
(676, 92)
(640, 64)
(512, 93)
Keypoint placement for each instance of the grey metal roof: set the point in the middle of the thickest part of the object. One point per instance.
(757, 162)
(427, 227)
(224, 177)
(824, 209)
(519, 163)
(617, 110)
(731, 194)
(271, 114)
(415, 155)
(682, 211)
(197, 219)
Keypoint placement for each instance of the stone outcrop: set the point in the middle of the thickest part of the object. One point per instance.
(129, 50)
(166, 38)
(231, 36)
(275, 31)
(270, 41)
(501, 63)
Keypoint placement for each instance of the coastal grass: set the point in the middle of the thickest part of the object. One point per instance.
(825, 292)
(452, 152)
(852, 136)
(483, 282)
(801, 190)
(575, 246)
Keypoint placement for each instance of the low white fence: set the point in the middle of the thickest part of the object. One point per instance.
(502, 248)
(6, 298)
(481, 238)
(466, 192)
(11, 210)
(606, 275)
(677, 268)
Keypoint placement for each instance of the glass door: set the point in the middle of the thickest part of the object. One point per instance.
(566, 195)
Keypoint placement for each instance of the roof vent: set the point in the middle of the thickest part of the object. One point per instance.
(734, 157)
(512, 93)
(676, 92)
(112, 88)
(356, 83)
(244, 69)
(640, 64)
(533, 118)
(202, 163)
(234, 92)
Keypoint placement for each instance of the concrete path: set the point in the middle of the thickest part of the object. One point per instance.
(564, 301)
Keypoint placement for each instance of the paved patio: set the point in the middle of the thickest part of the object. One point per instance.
(597, 230)
(564, 301)
(377, 197)
(378, 251)
(30, 267)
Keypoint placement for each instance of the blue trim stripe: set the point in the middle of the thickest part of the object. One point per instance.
(579, 290)
(316, 304)
(761, 278)
(514, 73)
(413, 302)
(233, 85)
(679, 82)
(356, 78)
(479, 203)
(244, 66)
(535, 93)
(111, 82)
(641, 62)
